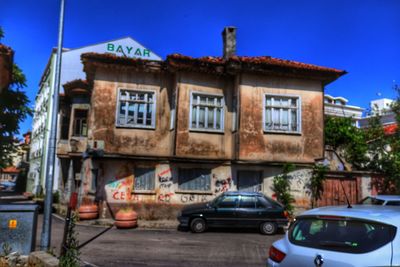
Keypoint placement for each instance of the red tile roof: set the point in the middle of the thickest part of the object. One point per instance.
(10, 169)
(221, 66)
(390, 129)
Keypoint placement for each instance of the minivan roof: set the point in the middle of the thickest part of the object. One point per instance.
(383, 214)
(386, 197)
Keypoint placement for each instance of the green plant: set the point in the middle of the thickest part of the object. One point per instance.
(281, 187)
(70, 257)
(316, 184)
(56, 197)
(6, 249)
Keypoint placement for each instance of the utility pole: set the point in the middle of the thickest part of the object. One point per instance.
(51, 156)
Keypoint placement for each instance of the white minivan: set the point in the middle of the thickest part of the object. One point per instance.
(361, 235)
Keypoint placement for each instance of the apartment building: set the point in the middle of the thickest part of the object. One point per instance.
(185, 129)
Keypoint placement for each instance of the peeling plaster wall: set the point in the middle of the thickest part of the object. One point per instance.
(203, 144)
(129, 141)
(296, 148)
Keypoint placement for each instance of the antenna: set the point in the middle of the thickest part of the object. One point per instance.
(347, 199)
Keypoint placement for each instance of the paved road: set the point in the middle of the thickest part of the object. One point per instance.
(139, 247)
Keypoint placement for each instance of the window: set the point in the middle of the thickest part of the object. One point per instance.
(206, 112)
(393, 203)
(342, 234)
(136, 109)
(247, 202)
(194, 179)
(282, 114)
(228, 202)
(80, 122)
(144, 179)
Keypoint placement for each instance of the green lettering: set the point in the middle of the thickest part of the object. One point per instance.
(110, 47)
(129, 49)
(146, 52)
(137, 52)
(119, 49)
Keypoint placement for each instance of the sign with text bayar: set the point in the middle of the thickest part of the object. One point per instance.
(129, 50)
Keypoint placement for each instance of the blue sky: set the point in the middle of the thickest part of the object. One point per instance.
(359, 36)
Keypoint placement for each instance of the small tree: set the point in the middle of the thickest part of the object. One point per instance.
(343, 136)
(13, 110)
(316, 184)
(281, 187)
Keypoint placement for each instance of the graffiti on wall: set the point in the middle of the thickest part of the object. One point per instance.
(165, 198)
(300, 181)
(165, 179)
(189, 198)
(222, 185)
(120, 191)
(165, 185)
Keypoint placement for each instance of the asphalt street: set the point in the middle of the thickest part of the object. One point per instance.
(169, 247)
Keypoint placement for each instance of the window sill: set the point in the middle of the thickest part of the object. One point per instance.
(282, 132)
(144, 192)
(207, 131)
(194, 192)
(135, 127)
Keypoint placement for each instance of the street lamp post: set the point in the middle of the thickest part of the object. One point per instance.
(50, 168)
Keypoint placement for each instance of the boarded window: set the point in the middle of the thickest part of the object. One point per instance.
(194, 179)
(144, 178)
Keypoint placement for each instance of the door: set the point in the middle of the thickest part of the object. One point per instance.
(249, 181)
(224, 214)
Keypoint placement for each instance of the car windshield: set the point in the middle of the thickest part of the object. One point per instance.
(372, 201)
(341, 234)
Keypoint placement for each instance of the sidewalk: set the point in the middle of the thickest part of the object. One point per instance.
(142, 224)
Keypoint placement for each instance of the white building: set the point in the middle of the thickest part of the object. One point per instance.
(71, 69)
(381, 107)
(337, 107)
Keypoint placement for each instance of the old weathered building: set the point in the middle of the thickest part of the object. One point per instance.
(185, 129)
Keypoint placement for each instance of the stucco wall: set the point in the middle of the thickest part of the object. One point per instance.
(255, 144)
(130, 141)
(196, 144)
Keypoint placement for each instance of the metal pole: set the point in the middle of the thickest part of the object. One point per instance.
(50, 168)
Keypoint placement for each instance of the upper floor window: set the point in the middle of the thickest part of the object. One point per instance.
(80, 122)
(206, 112)
(282, 114)
(136, 109)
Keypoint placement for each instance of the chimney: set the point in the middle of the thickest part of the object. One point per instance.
(229, 39)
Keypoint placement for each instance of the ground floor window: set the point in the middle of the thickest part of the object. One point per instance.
(194, 179)
(144, 179)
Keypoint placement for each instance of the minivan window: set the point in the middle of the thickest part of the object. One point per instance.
(372, 201)
(393, 203)
(344, 235)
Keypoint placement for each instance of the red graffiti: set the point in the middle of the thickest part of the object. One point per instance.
(166, 198)
(121, 195)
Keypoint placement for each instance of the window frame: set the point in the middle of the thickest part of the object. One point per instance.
(222, 122)
(80, 119)
(298, 108)
(136, 126)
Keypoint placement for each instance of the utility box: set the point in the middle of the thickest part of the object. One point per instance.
(18, 227)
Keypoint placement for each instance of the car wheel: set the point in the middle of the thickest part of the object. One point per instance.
(268, 228)
(198, 225)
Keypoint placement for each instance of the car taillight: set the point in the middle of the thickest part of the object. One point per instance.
(276, 255)
(286, 214)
